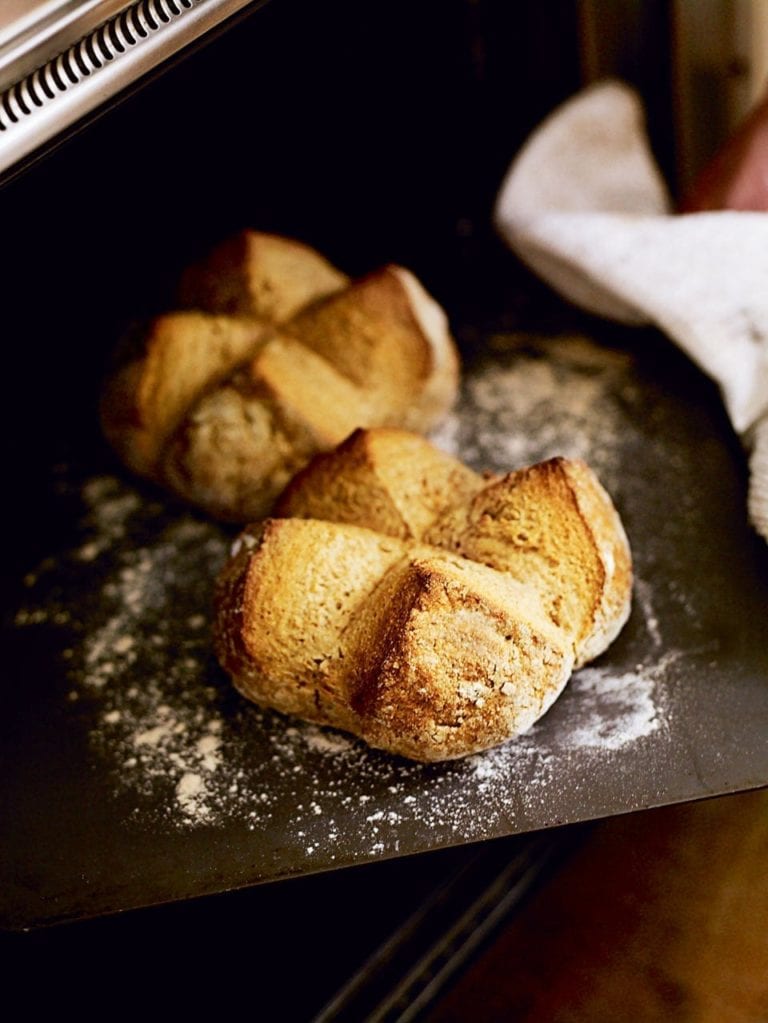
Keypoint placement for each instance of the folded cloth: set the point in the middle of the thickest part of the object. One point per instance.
(585, 206)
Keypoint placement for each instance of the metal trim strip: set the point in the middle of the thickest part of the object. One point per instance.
(33, 32)
(109, 59)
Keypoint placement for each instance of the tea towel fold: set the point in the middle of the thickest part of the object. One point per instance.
(586, 207)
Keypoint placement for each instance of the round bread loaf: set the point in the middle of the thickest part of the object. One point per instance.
(283, 357)
(426, 609)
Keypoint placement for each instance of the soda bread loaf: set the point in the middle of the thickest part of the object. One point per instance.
(426, 609)
(282, 357)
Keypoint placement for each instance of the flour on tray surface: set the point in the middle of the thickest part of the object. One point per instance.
(173, 735)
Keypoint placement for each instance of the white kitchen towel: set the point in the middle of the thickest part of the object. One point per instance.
(585, 206)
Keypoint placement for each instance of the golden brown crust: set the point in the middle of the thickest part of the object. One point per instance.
(260, 275)
(460, 665)
(310, 390)
(291, 653)
(390, 480)
(442, 382)
(387, 336)
(431, 635)
(196, 412)
(168, 366)
(551, 525)
(612, 607)
(413, 650)
(367, 331)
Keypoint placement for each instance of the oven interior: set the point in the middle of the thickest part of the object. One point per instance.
(377, 134)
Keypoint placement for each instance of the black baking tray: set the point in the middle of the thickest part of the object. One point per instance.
(380, 942)
(132, 774)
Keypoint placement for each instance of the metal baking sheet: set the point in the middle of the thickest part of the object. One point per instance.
(133, 774)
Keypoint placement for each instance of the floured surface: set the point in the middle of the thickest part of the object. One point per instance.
(169, 749)
(169, 725)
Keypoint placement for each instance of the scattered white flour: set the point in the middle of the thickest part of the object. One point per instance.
(162, 729)
(131, 602)
(564, 398)
(324, 740)
(643, 595)
(616, 709)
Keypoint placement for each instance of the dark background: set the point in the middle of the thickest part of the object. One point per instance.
(374, 131)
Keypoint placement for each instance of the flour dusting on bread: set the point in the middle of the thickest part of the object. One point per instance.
(407, 600)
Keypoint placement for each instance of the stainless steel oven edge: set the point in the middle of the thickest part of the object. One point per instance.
(55, 92)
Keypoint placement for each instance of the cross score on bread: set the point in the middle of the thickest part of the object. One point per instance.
(276, 356)
(406, 599)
